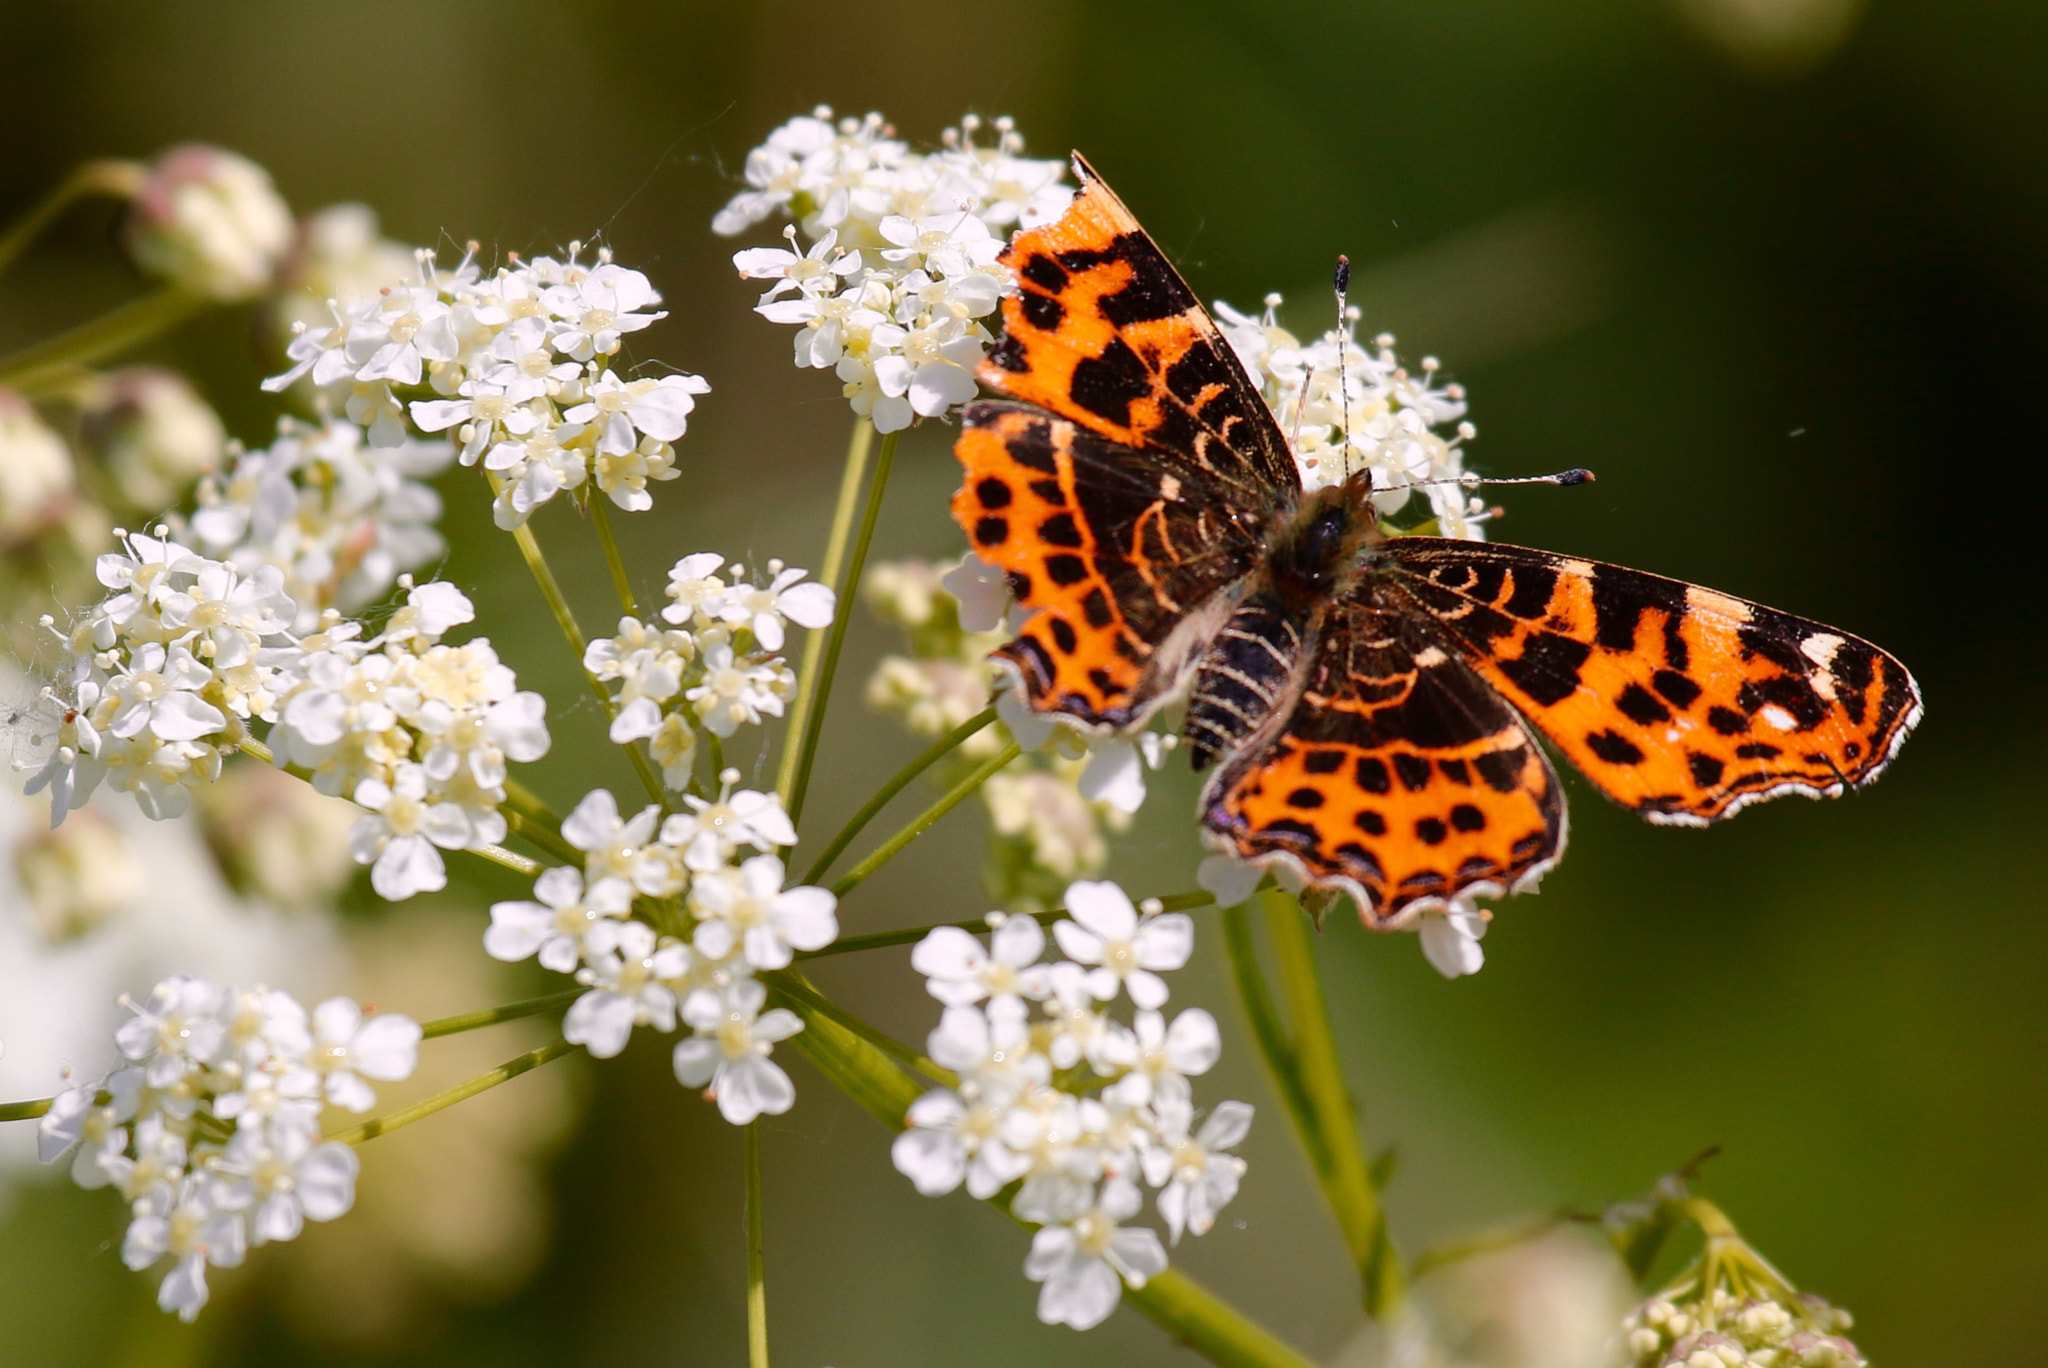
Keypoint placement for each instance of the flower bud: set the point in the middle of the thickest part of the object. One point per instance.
(155, 434)
(35, 469)
(210, 222)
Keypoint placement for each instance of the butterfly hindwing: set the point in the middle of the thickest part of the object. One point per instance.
(1680, 702)
(1117, 554)
(1398, 775)
(1103, 331)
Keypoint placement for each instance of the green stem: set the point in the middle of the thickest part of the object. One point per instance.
(757, 1275)
(892, 847)
(25, 1111)
(1177, 1304)
(929, 756)
(882, 940)
(119, 179)
(851, 477)
(491, 1016)
(483, 1082)
(805, 995)
(543, 576)
(844, 594)
(51, 363)
(600, 515)
(1486, 1242)
(1346, 1183)
(533, 820)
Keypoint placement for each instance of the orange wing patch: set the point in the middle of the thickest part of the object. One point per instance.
(1398, 776)
(1682, 703)
(1114, 556)
(1103, 331)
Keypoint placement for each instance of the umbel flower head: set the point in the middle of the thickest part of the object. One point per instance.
(899, 270)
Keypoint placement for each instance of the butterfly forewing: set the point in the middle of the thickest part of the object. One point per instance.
(1103, 331)
(1117, 555)
(1683, 703)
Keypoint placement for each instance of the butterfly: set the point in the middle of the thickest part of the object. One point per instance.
(1366, 700)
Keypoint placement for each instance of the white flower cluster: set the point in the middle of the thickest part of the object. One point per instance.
(1725, 1330)
(1086, 1110)
(521, 362)
(715, 665)
(900, 265)
(1385, 420)
(167, 673)
(718, 914)
(413, 730)
(342, 518)
(211, 1131)
(1051, 809)
(171, 668)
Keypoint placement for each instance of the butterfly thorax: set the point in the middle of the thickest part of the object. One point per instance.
(1315, 551)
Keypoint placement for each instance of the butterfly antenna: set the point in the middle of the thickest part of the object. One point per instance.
(1578, 475)
(1343, 284)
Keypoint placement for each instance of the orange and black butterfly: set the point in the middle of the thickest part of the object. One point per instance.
(1366, 699)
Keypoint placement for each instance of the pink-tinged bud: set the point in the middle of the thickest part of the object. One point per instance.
(154, 433)
(210, 222)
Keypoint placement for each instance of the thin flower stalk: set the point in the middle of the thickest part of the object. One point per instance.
(882, 940)
(35, 371)
(491, 1016)
(757, 1276)
(601, 518)
(483, 1082)
(118, 179)
(565, 618)
(1309, 1079)
(921, 823)
(929, 756)
(852, 478)
(847, 587)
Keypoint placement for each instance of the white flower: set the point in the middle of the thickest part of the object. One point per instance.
(1105, 931)
(695, 590)
(629, 986)
(149, 1180)
(78, 1125)
(613, 849)
(959, 972)
(195, 1233)
(739, 690)
(1195, 1176)
(713, 829)
(991, 1047)
(981, 593)
(950, 1140)
(556, 926)
(731, 1048)
(1085, 1261)
(1229, 879)
(763, 609)
(210, 222)
(748, 908)
(1115, 773)
(624, 410)
(288, 1178)
(348, 1048)
(399, 834)
(1162, 1058)
(178, 1029)
(600, 307)
(820, 268)
(1450, 939)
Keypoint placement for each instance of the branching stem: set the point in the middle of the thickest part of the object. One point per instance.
(461, 1092)
(919, 824)
(929, 756)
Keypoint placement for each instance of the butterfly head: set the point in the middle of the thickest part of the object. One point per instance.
(1319, 544)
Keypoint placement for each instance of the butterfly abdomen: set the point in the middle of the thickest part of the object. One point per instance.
(1247, 671)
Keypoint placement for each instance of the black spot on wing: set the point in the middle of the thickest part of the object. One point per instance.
(1548, 668)
(1155, 290)
(1044, 272)
(1639, 705)
(1063, 635)
(1613, 748)
(1059, 530)
(1108, 384)
(1042, 311)
(1323, 761)
(1679, 691)
(1706, 770)
(1371, 774)
(1414, 771)
(1008, 355)
(1620, 598)
(1064, 569)
(1534, 586)
(993, 493)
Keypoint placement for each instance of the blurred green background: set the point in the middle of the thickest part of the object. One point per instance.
(1776, 269)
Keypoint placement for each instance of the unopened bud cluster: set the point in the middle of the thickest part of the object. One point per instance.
(1724, 1329)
